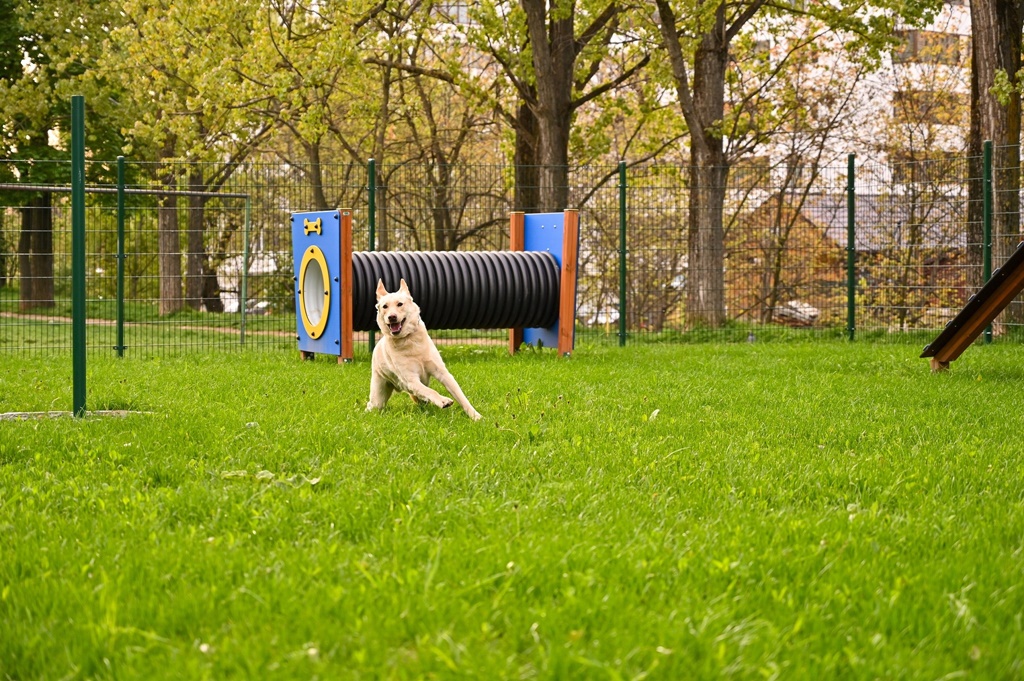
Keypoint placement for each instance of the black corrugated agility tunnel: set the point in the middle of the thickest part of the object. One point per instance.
(461, 289)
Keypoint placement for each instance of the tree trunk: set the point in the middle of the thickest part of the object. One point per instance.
(705, 277)
(774, 251)
(705, 286)
(211, 290)
(195, 256)
(441, 210)
(527, 190)
(5, 255)
(997, 26)
(35, 253)
(42, 251)
(382, 233)
(703, 107)
(26, 296)
(975, 189)
(554, 59)
(553, 171)
(316, 175)
(169, 246)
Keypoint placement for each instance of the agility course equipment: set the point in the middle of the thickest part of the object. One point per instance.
(529, 289)
(984, 306)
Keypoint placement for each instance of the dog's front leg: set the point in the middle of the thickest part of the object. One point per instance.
(450, 384)
(380, 392)
(425, 393)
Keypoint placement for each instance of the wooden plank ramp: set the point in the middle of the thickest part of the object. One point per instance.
(984, 306)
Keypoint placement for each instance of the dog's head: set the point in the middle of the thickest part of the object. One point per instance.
(397, 314)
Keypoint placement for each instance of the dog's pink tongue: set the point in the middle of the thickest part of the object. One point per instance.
(395, 328)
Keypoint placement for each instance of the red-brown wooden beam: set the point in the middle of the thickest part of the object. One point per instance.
(346, 287)
(567, 300)
(517, 242)
(978, 313)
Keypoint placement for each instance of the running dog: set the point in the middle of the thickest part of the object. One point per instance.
(406, 358)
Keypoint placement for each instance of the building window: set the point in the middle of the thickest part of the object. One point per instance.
(932, 107)
(454, 11)
(756, 49)
(928, 47)
(751, 172)
(941, 167)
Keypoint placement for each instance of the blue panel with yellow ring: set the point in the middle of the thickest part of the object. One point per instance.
(316, 246)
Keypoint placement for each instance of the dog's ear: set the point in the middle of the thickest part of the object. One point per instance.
(381, 291)
(403, 287)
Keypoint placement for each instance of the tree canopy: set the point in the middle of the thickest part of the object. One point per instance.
(551, 84)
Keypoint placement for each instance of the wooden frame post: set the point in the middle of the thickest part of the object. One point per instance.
(346, 287)
(567, 299)
(517, 242)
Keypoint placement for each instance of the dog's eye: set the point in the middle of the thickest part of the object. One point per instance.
(399, 305)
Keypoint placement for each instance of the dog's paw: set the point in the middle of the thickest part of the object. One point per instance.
(446, 402)
(474, 414)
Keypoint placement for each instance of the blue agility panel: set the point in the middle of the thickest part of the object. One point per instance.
(316, 247)
(545, 232)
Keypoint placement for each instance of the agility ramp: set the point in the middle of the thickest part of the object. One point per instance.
(984, 306)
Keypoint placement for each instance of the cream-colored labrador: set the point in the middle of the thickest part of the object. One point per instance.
(406, 358)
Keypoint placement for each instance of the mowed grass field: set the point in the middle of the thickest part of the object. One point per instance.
(792, 511)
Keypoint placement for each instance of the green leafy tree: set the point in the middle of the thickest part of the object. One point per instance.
(443, 125)
(443, 133)
(327, 76)
(40, 68)
(177, 70)
(556, 58)
(10, 71)
(304, 73)
(697, 36)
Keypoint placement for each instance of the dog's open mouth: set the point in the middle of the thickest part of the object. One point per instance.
(395, 327)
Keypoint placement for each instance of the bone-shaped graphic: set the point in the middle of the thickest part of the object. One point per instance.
(312, 226)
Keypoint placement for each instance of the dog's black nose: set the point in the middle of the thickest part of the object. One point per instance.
(392, 318)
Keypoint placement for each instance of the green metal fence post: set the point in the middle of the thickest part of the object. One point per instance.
(622, 253)
(120, 257)
(851, 249)
(78, 254)
(244, 294)
(986, 221)
(371, 171)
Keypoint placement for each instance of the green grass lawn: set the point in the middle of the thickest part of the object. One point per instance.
(811, 511)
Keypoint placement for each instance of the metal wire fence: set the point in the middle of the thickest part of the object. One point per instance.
(189, 257)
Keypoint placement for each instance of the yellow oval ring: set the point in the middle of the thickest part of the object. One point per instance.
(314, 255)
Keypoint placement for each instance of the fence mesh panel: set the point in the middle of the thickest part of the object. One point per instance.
(207, 257)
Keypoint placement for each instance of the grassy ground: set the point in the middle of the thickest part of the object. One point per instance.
(753, 510)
